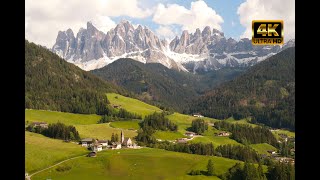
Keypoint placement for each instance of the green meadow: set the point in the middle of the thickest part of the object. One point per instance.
(54, 116)
(41, 152)
(263, 148)
(132, 105)
(184, 121)
(102, 131)
(167, 135)
(241, 121)
(143, 163)
(134, 124)
(281, 131)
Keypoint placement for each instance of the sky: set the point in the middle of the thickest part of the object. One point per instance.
(166, 18)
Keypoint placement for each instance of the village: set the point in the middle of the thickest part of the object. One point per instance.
(96, 145)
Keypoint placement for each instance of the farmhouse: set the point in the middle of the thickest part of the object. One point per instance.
(86, 142)
(40, 124)
(96, 147)
(285, 160)
(189, 134)
(197, 115)
(182, 140)
(271, 152)
(116, 106)
(223, 133)
(103, 143)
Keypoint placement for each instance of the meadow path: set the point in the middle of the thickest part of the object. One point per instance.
(29, 177)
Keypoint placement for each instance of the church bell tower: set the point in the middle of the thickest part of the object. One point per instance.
(122, 137)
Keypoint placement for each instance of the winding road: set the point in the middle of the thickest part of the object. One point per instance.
(29, 177)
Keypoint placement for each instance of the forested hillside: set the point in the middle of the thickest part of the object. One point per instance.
(156, 84)
(51, 83)
(266, 92)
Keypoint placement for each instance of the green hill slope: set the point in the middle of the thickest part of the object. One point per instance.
(143, 163)
(51, 83)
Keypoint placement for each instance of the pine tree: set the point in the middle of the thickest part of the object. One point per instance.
(112, 138)
(210, 168)
(261, 175)
(116, 138)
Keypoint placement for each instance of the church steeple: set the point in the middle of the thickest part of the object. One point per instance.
(122, 137)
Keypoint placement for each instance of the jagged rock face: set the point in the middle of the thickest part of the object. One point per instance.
(92, 44)
(199, 51)
(196, 43)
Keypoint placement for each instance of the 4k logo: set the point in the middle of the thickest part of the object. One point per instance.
(266, 32)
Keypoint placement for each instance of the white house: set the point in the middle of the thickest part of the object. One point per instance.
(97, 147)
(86, 142)
(190, 134)
(116, 145)
(197, 115)
(103, 143)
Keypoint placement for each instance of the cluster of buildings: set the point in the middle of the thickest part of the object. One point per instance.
(39, 124)
(98, 145)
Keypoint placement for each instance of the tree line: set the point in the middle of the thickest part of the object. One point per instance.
(121, 115)
(57, 131)
(246, 134)
(192, 148)
(276, 171)
(151, 123)
(242, 153)
(199, 126)
(158, 121)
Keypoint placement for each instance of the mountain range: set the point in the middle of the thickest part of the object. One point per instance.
(200, 51)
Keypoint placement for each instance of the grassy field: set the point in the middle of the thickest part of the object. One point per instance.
(167, 135)
(263, 148)
(132, 105)
(126, 124)
(241, 121)
(66, 118)
(41, 152)
(144, 163)
(184, 121)
(101, 131)
(281, 131)
(216, 140)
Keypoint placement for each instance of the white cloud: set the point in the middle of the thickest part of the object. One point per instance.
(272, 9)
(233, 23)
(166, 32)
(198, 16)
(103, 23)
(45, 18)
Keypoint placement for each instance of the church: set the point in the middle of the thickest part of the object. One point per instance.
(126, 142)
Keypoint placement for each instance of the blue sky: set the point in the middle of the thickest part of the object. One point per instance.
(227, 9)
(167, 18)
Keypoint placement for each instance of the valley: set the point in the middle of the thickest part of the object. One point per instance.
(149, 121)
(123, 162)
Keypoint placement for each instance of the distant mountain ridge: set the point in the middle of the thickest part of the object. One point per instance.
(204, 50)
